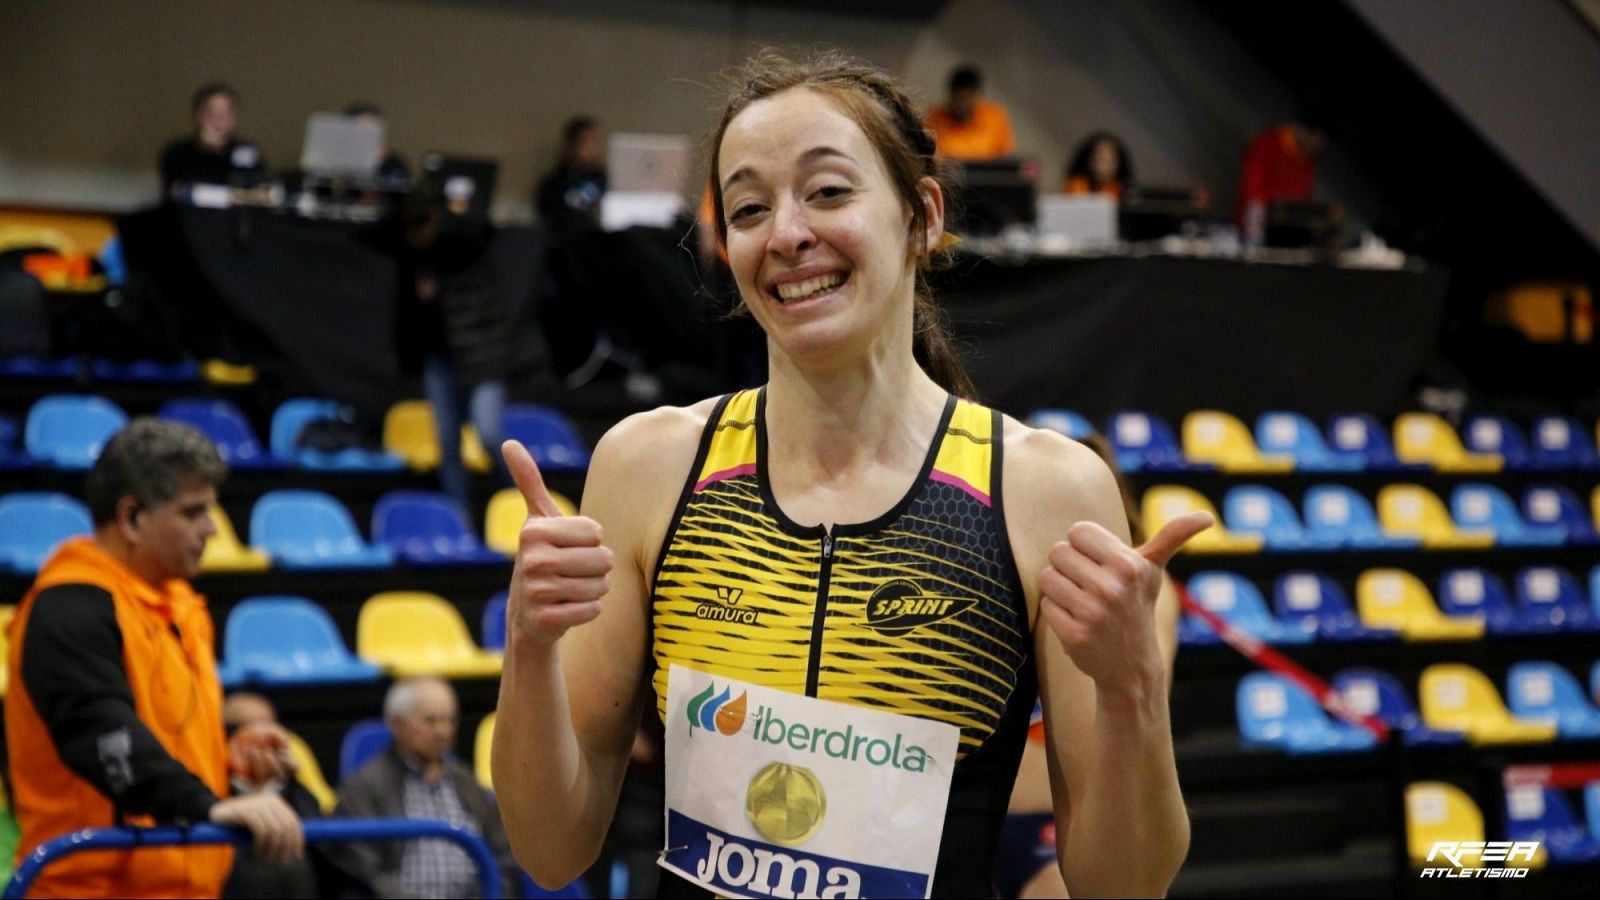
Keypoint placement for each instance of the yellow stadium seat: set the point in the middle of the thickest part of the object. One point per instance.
(482, 746)
(226, 553)
(1413, 510)
(1438, 811)
(309, 774)
(502, 521)
(227, 374)
(1164, 502)
(1594, 499)
(1457, 697)
(408, 432)
(1396, 599)
(1425, 438)
(413, 633)
(7, 613)
(1218, 438)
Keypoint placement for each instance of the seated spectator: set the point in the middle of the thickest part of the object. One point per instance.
(392, 168)
(1100, 166)
(214, 154)
(418, 777)
(252, 877)
(1279, 164)
(968, 127)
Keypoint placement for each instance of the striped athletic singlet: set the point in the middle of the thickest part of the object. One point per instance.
(919, 612)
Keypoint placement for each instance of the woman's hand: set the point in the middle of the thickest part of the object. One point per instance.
(562, 568)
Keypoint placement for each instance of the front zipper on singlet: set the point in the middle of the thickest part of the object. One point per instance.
(814, 667)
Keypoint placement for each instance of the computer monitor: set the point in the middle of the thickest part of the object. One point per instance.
(993, 194)
(647, 163)
(463, 185)
(339, 146)
(1309, 223)
(1151, 212)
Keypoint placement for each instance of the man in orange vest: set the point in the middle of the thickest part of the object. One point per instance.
(114, 715)
(967, 126)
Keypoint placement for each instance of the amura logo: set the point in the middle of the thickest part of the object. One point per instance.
(717, 712)
(900, 606)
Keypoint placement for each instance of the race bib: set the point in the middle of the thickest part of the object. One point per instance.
(773, 794)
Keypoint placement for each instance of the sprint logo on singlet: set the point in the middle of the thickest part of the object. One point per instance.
(900, 606)
(721, 713)
(726, 608)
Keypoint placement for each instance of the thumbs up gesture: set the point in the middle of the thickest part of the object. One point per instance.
(1099, 595)
(562, 568)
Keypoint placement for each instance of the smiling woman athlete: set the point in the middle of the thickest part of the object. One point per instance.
(822, 583)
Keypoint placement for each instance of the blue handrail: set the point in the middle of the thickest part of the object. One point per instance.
(316, 830)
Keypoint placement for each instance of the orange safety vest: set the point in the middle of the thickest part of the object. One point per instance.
(176, 694)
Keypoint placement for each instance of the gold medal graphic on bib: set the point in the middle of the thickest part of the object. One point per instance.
(786, 803)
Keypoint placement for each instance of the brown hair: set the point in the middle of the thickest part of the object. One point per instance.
(889, 119)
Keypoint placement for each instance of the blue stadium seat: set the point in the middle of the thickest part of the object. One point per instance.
(1479, 592)
(1561, 442)
(427, 529)
(289, 421)
(69, 430)
(494, 623)
(365, 739)
(1292, 434)
(34, 368)
(311, 530)
(1551, 505)
(1591, 806)
(1144, 443)
(549, 436)
(1275, 712)
(1236, 599)
(1486, 433)
(1315, 601)
(33, 523)
(144, 371)
(1484, 506)
(287, 642)
(227, 427)
(12, 458)
(1362, 434)
(1254, 509)
(1371, 692)
(1545, 692)
(1336, 511)
(1537, 813)
(1550, 594)
(1062, 421)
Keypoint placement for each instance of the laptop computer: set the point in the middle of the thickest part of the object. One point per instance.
(339, 146)
(647, 163)
(1086, 220)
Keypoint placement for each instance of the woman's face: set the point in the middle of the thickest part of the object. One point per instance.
(1103, 161)
(817, 233)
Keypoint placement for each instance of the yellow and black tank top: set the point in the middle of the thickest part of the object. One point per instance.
(918, 612)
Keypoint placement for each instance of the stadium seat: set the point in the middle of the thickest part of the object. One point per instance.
(1457, 697)
(289, 641)
(1275, 712)
(33, 523)
(362, 741)
(144, 371)
(409, 433)
(1062, 421)
(1417, 511)
(12, 457)
(502, 520)
(1439, 811)
(1560, 442)
(225, 553)
(1392, 598)
(1541, 691)
(1478, 592)
(494, 623)
(1594, 507)
(483, 750)
(1487, 508)
(1543, 814)
(1550, 594)
(69, 430)
(1295, 436)
(222, 373)
(1371, 692)
(1493, 435)
(549, 436)
(1591, 806)
(1334, 512)
(309, 773)
(1144, 443)
(1254, 509)
(428, 529)
(1362, 434)
(414, 633)
(1427, 439)
(1315, 601)
(1594, 682)
(289, 422)
(227, 427)
(1213, 436)
(1235, 599)
(1164, 502)
(1554, 506)
(36, 368)
(311, 530)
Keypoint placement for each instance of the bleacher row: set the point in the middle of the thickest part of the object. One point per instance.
(1438, 811)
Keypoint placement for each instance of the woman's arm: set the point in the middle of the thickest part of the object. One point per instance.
(576, 639)
(1122, 829)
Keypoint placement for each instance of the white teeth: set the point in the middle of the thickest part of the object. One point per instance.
(799, 290)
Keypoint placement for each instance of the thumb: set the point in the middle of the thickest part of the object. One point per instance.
(525, 472)
(1177, 532)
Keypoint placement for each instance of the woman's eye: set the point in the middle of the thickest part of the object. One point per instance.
(833, 192)
(744, 212)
